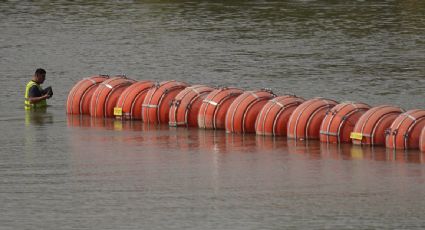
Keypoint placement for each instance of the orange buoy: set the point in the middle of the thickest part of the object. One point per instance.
(304, 123)
(404, 132)
(273, 118)
(212, 114)
(243, 111)
(78, 101)
(371, 126)
(185, 106)
(129, 104)
(339, 122)
(156, 106)
(106, 95)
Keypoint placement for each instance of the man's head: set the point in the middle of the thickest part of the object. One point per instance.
(40, 75)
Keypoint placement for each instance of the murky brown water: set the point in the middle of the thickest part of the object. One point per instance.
(59, 172)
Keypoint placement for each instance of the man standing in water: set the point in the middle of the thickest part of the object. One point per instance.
(35, 96)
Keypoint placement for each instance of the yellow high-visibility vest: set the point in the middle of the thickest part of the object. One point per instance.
(28, 104)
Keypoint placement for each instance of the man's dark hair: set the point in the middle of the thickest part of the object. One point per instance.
(40, 72)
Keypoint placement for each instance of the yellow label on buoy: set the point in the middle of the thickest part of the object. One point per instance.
(356, 136)
(117, 111)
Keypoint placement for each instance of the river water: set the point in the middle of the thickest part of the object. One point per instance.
(60, 172)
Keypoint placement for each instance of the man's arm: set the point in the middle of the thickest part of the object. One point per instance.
(33, 100)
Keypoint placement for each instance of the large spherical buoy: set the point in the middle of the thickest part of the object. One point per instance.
(106, 95)
(274, 116)
(243, 111)
(185, 106)
(371, 126)
(304, 123)
(339, 122)
(129, 104)
(212, 114)
(156, 106)
(404, 132)
(78, 101)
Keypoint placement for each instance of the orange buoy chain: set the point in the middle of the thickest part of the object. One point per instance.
(237, 111)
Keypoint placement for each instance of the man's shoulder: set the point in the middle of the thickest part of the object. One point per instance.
(31, 82)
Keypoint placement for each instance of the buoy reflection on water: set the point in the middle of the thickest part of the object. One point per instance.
(181, 139)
